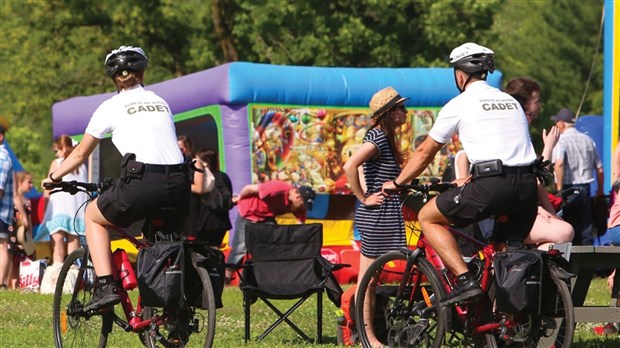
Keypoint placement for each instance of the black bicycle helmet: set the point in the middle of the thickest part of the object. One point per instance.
(473, 58)
(125, 58)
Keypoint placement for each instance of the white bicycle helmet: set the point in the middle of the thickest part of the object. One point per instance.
(125, 58)
(472, 58)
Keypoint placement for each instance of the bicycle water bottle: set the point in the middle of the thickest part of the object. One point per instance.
(125, 270)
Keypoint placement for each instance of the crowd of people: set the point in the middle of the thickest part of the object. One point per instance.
(495, 173)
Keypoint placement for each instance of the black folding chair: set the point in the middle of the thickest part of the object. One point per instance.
(284, 262)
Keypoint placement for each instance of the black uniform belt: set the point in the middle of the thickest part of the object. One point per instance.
(138, 167)
(518, 170)
(162, 168)
(492, 168)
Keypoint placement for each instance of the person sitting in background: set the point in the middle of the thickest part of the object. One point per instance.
(548, 227)
(261, 203)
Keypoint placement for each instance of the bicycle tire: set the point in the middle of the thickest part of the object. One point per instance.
(412, 323)
(71, 325)
(563, 315)
(201, 319)
(557, 328)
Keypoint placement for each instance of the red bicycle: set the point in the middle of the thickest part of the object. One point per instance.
(405, 289)
(157, 327)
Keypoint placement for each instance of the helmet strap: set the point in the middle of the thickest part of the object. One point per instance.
(456, 81)
(467, 81)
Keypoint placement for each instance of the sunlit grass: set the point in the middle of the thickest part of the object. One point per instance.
(26, 321)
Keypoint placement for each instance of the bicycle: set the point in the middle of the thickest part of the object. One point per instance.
(157, 327)
(407, 286)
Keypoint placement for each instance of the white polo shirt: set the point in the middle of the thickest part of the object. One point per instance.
(140, 122)
(490, 124)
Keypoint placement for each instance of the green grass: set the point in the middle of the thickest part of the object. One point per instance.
(25, 321)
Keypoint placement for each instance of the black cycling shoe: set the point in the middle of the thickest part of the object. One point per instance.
(468, 291)
(106, 295)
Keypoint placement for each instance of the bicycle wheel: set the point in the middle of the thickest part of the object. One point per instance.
(554, 327)
(412, 319)
(186, 320)
(72, 326)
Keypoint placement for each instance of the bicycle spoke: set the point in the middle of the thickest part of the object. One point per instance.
(405, 311)
(73, 327)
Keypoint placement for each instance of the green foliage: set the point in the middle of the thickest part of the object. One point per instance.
(553, 42)
(54, 50)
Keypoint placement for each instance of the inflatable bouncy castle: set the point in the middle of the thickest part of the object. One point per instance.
(298, 124)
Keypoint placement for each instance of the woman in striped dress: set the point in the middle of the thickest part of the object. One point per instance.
(378, 218)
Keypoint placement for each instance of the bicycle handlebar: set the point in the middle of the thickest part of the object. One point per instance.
(434, 185)
(74, 187)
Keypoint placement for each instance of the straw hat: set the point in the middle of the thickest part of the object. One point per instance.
(383, 101)
(25, 239)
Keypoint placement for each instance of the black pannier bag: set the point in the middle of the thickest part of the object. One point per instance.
(213, 260)
(518, 277)
(160, 274)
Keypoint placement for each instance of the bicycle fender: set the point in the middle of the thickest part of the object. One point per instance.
(563, 274)
(412, 254)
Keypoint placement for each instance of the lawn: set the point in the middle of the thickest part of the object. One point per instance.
(25, 321)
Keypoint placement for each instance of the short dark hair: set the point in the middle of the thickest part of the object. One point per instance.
(210, 157)
(522, 86)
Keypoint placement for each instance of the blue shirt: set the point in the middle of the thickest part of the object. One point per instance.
(6, 184)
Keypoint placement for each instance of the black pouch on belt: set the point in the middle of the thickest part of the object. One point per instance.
(130, 168)
(486, 169)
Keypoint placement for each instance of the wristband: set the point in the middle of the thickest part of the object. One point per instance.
(396, 184)
(54, 180)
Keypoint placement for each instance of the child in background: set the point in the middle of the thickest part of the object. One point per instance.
(23, 184)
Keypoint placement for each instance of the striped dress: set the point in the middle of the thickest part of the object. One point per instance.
(382, 228)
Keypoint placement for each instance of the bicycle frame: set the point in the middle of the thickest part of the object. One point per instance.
(423, 248)
(134, 321)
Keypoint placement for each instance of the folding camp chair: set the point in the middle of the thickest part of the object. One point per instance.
(284, 262)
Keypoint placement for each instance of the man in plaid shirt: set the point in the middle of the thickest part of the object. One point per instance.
(575, 161)
(6, 208)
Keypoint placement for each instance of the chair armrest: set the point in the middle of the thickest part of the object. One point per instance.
(339, 266)
(331, 267)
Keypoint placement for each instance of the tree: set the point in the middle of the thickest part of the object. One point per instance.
(54, 50)
(553, 42)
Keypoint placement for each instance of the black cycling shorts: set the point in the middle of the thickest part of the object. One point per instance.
(512, 199)
(128, 202)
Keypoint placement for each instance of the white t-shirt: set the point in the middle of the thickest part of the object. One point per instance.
(140, 122)
(490, 124)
